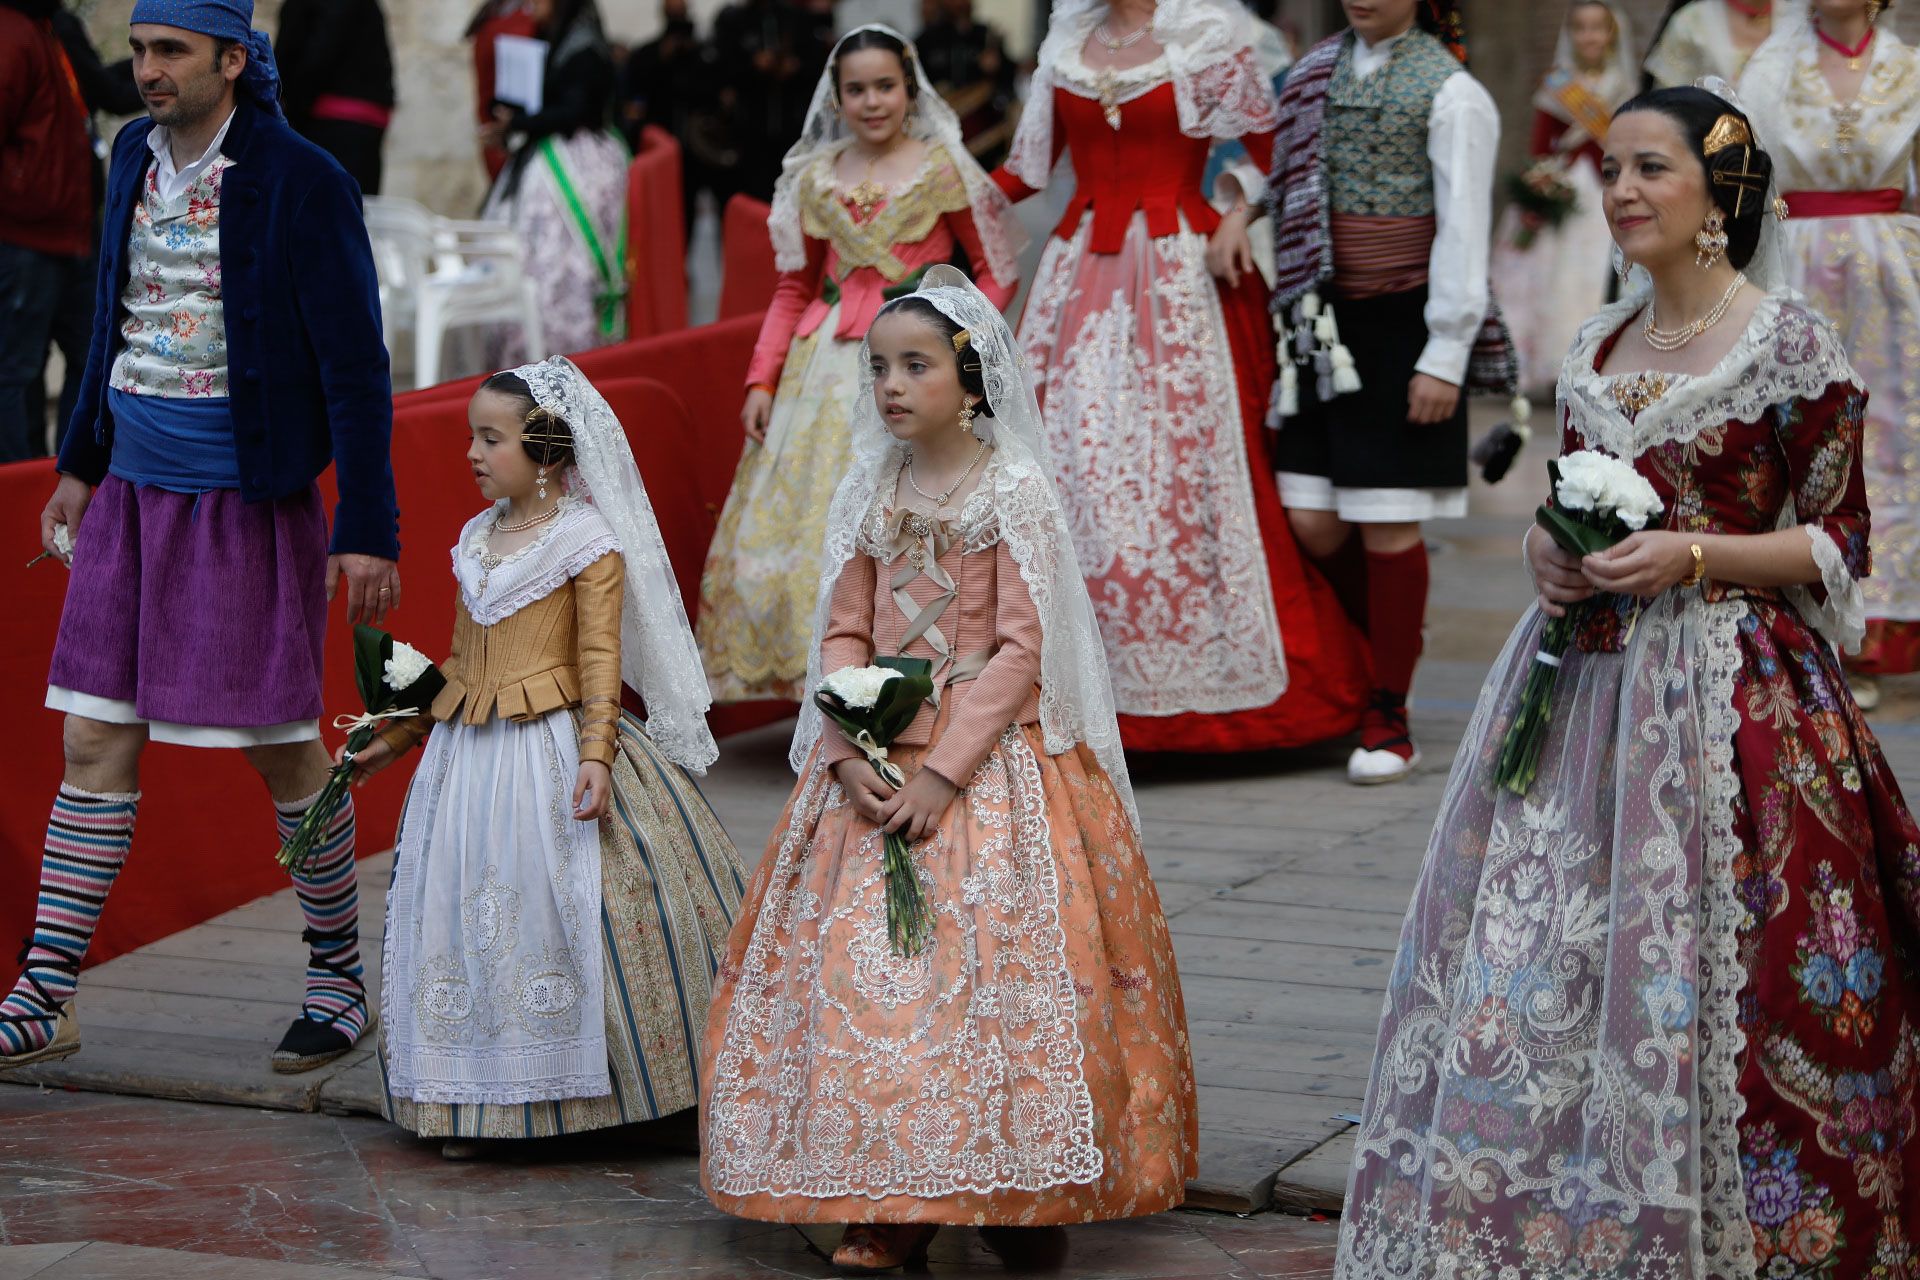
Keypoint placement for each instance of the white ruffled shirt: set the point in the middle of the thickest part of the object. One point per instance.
(1463, 143)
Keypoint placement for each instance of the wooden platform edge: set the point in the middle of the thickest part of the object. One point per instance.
(1317, 1181)
(221, 1078)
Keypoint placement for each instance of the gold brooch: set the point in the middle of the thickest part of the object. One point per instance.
(1634, 392)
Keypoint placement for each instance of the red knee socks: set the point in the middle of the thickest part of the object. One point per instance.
(1396, 614)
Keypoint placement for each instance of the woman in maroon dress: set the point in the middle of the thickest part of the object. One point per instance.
(1659, 1016)
(1148, 332)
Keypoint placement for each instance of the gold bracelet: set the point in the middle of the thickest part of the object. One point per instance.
(1699, 573)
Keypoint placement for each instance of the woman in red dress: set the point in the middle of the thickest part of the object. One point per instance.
(1152, 350)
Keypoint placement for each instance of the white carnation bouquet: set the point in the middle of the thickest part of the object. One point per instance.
(873, 706)
(396, 681)
(1598, 502)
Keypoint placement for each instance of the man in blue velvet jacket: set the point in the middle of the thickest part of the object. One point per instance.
(236, 353)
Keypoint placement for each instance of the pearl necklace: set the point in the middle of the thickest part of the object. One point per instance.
(1104, 34)
(959, 480)
(1674, 339)
(529, 523)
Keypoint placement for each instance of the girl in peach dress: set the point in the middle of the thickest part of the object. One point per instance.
(1030, 1066)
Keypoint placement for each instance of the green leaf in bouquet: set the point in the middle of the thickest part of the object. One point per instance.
(908, 667)
(831, 708)
(371, 649)
(422, 692)
(900, 699)
(1573, 536)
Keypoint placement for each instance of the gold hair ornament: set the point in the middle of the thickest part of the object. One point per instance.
(1727, 132)
(546, 428)
(963, 341)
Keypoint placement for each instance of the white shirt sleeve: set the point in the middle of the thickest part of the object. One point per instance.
(1463, 141)
(1253, 185)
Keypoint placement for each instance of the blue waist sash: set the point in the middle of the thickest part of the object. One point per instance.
(173, 443)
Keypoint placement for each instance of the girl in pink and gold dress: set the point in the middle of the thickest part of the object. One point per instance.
(1030, 1066)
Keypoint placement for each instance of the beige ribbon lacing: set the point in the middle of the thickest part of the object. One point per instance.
(919, 541)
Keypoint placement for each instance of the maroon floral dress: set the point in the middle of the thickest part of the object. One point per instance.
(1660, 1017)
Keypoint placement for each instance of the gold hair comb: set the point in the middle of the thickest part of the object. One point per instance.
(1728, 131)
(963, 341)
(544, 426)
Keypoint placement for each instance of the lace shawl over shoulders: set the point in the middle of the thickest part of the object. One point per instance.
(976, 529)
(577, 538)
(1787, 352)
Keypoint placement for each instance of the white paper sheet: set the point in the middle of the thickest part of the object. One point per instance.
(519, 68)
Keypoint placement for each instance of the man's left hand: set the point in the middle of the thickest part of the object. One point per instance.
(373, 586)
(1429, 400)
(1230, 250)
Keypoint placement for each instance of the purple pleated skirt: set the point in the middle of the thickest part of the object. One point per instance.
(199, 609)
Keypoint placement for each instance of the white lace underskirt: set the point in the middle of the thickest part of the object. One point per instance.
(1560, 1025)
(493, 981)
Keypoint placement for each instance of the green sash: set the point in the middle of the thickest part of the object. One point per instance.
(611, 270)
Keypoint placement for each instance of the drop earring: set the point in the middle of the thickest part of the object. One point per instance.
(1710, 240)
(966, 416)
(540, 482)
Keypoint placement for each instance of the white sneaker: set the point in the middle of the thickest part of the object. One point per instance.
(1371, 768)
(1866, 691)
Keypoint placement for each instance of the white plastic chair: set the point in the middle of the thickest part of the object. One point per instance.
(402, 236)
(440, 274)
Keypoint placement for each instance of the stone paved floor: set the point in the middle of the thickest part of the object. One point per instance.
(181, 1189)
(1283, 886)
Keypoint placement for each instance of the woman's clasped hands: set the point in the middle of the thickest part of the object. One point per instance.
(1644, 565)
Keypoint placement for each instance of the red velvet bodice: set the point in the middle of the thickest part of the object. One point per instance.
(1146, 164)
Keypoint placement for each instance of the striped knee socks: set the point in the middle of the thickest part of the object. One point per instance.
(330, 899)
(88, 836)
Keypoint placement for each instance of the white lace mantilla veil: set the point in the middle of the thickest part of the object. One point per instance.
(932, 121)
(1773, 66)
(1076, 701)
(658, 657)
(1792, 28)
(1218, 86)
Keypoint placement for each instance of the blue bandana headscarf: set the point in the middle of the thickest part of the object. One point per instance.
(223, 20)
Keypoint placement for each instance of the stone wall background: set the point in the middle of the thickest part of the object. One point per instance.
(430, 150)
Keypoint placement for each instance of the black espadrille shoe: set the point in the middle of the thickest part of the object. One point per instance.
(315, 1041)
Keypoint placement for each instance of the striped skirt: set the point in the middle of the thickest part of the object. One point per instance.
(671, 884)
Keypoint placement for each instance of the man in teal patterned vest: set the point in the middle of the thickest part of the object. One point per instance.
(1383, 186)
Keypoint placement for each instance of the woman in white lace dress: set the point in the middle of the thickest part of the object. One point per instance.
(1657, 1017)
(1701, 38)
(1841, 115)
